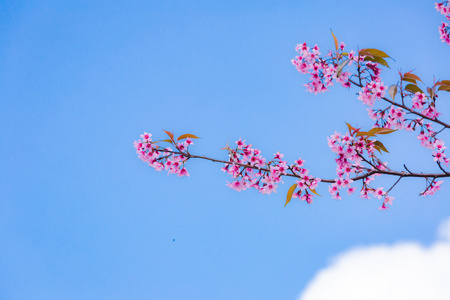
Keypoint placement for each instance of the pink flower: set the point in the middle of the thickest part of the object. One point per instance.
(183, 172)
(378, 193)
(237, 185)
(240, 144)
(439, 156)
(388, 200)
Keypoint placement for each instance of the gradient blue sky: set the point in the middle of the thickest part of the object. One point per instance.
(82, 218)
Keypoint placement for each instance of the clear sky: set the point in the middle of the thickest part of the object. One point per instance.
(82, 218)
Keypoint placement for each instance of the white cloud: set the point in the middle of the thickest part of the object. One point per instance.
(403, 271)
(444, 230)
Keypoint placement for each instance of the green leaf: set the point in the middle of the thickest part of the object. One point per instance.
(413, 88)
(170, 134)
(187, 135)
(336, 43)
(363, 52)
(381, 146)
(290, 193)
(393, 91)
(340, 67)
(410, 80)
(380, 130)
(376, 52)
(377, 59)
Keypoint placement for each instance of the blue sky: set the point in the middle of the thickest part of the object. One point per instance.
(82, 218)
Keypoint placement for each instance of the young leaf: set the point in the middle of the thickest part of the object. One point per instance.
(340, 67)
(363, 133)
(364, 52)
(187, 135)
(377, 59)
(377, 148)
(170, 134)
(350, 127)
(314, 191)
(444, 88)
(168, 141)
(336, 43)
(393, 91)
(430, 92)
(413, 88)
(381, 146)
(376, 52)
(443, 82)
(380, 130)
(409, 80)
(290, 193)
(410, 75)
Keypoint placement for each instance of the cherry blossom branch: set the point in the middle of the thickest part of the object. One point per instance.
(406, 108)
(249, 169)
(356, 178)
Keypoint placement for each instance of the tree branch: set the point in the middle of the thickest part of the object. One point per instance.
(356, 178)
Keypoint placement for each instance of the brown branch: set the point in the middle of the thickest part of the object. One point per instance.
(356, 178)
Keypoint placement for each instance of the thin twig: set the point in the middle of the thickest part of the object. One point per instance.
(394, 184)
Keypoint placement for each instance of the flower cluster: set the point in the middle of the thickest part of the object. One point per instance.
(373, 90)
(161, 158)
(444, 29)
(250, 170)
(350, 150)
(322, 72)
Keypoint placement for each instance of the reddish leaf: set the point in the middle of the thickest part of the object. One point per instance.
(443, 82)
(444, 88)
(336, 43)
(187, 135)
(412, 76)
(379, 130)
(170, 134)
(350, 127)
(363, 133)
